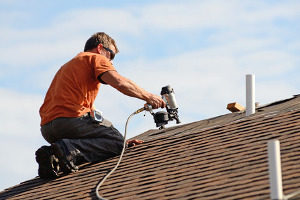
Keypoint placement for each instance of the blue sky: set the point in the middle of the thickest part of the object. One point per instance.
(203, 49)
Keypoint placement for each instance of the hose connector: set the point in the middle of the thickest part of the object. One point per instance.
(140, 110)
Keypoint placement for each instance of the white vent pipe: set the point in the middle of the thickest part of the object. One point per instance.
(275, 170)
(250, 94)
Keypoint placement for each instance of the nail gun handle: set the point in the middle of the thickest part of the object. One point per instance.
(149, 108)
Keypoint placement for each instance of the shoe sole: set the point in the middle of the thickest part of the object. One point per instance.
(44, 159)
(64, 165)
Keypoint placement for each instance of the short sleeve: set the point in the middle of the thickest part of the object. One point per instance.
(102, 65)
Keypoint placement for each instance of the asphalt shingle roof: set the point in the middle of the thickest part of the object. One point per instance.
(219, 158)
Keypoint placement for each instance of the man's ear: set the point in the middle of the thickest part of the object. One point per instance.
(99, 47)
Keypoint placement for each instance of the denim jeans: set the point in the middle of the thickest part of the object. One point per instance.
(85, 140)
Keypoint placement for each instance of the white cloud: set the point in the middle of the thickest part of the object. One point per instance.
(219, 14)
(210, 78)
(35, 52)
(112, 20)
(17, 162)
(10, 17)
(268, 63)
(19, 114)
(20, 136)
(63, 34)
(270, 91)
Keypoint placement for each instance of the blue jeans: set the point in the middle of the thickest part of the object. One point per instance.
(85, 140)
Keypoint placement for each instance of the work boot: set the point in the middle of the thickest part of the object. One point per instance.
(48, 164)
(65, 160)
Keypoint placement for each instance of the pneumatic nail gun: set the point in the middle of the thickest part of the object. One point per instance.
(161, 118)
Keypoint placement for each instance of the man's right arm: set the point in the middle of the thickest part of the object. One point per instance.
(131, 89)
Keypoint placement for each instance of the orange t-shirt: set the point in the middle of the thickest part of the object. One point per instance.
(75, 86)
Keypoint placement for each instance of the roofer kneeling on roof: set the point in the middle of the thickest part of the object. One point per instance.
(68, 120)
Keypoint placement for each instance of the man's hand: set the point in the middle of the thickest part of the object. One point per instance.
(156, 101)
(132, 143)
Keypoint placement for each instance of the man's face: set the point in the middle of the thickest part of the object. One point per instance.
(110, 52)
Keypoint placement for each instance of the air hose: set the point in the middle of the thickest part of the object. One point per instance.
(123, 150)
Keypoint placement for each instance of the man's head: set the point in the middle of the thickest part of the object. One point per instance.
(101, 41)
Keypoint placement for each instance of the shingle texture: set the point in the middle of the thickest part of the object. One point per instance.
(219, 158)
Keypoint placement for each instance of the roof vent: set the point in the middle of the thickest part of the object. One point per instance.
(275, 175)
(275, 169)
(250, 94)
